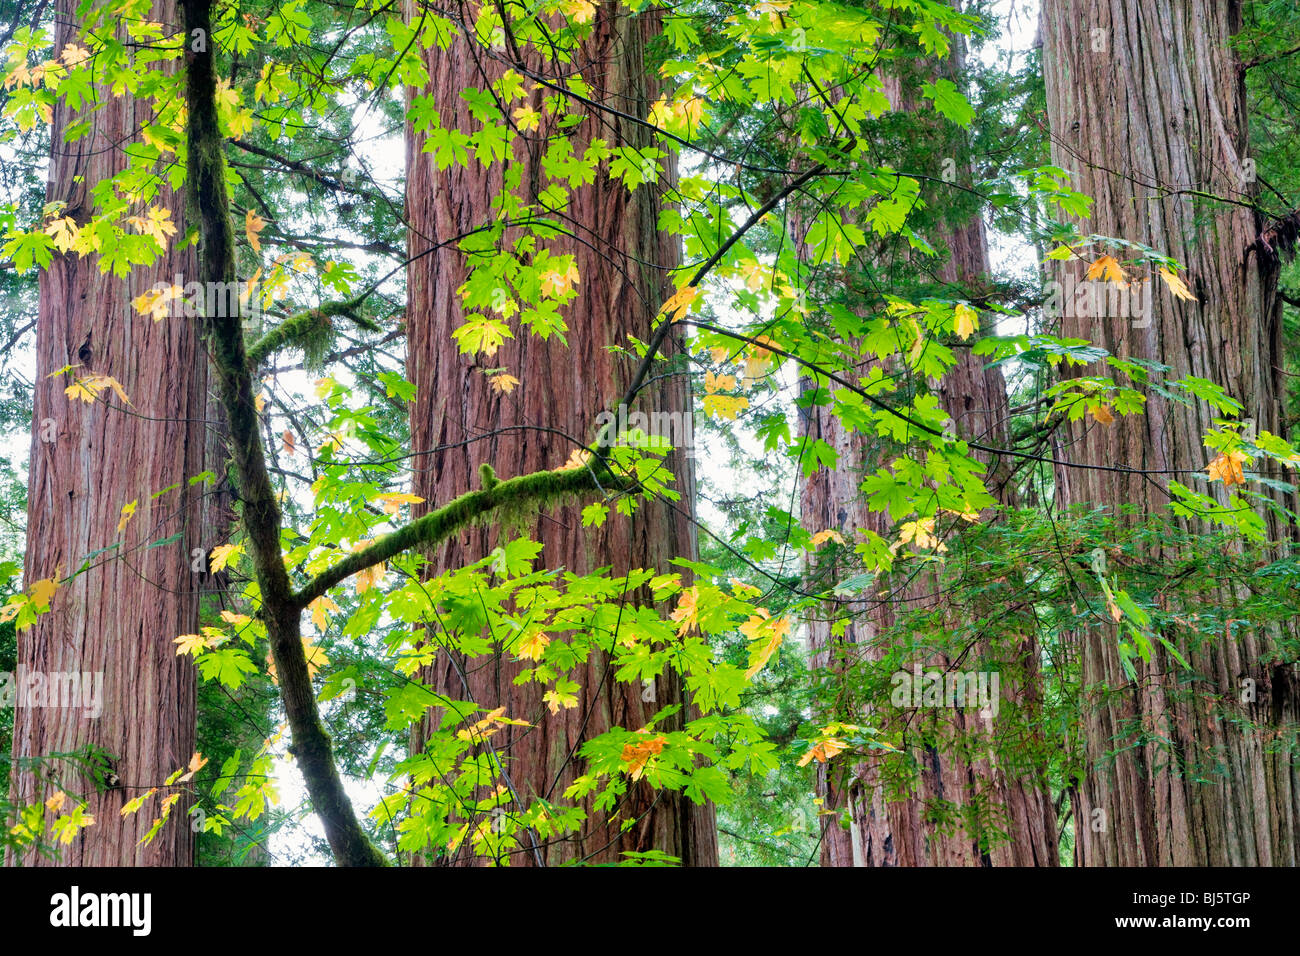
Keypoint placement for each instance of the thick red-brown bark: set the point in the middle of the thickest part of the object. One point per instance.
(622, 260)
(957, 766)
(1147, 109)
(119, 617)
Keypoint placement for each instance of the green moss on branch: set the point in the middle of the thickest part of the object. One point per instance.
(209, 209)
(504, 501)
(308, 330)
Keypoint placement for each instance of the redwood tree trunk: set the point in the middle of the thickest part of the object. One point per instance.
(1147, 104)
(120, 617)
(622, 260)
(956, 761)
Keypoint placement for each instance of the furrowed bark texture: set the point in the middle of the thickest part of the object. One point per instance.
(622, 260)
(957, 764)
(1145, 100)
(120, 617)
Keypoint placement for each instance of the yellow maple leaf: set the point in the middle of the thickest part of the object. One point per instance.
(247, 286)
(1102, 414)
(526, 118)
(755, 274)
(580, 11)
(1176, 285)
(503, 382)
(757, 359)
(1227, 469)
(127, 511)
(725, 406)
(687, 110)
(20, 75)
(87, 389)
(190, 644)
(253, 224)
(921, 533)
(766, 634)
(918, 343)
(490, 723)
(116, 386)
(556, 283)
(316, 658)
(319, 609)
(230, 617)
(156, 223)
(157, 302)
(196, 764)
(681, 302)
(56, 802)
(134, 805)
(637, 755)
(73, 54)
(370, 577)
(223, 554)
(965, 321)
(393, 501)
(718, 383)
(821, 537)
(533, 645)
(823, 750)
(64, 233)
(42, 591)
(555, 699)
(76, 821)
(1107, 267)
(53, 68)
(577, 459)
(686, 611)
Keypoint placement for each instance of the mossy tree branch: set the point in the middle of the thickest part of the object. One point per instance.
(497, 498)
(209, 208)
(234, 362)
(301, 327)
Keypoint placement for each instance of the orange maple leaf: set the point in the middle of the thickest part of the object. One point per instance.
(1227, 469)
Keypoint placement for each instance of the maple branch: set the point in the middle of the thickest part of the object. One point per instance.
(209, 206)
(341, 354)
(921, 426)
(533, 492)
(330, 182)
(661, 333)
